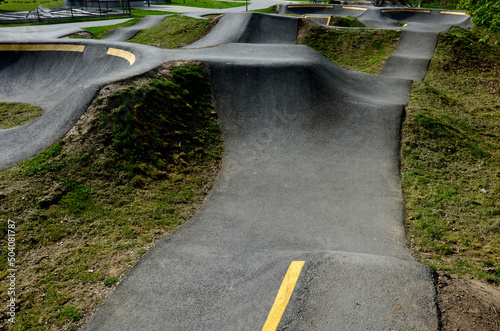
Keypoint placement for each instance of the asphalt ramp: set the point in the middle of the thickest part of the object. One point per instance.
(62, 78)
(310, 174)
(250, 28)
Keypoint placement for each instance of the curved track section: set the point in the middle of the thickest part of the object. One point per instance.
(416, 19)
(62, 78)
(251, 28)
(311, 174)
(123, 34)
(412, 56)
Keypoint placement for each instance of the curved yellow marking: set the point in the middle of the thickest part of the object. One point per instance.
(355, 8)
(318, 16)
(130, 57)
(284, 294)
(453, 13)
(42, 47)
(406, 10)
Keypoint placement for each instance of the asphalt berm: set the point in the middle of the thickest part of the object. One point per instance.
(311, 174)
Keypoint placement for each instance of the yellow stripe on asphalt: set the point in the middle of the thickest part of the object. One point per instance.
(130, 57)
(355, 8)
(405, 10)
(42, 47)
(314, 16)
(284, 294)
(310, 6)
(453, 13)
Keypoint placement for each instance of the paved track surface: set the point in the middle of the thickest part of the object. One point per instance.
(50, 31)
(388, 17)
(412, 56)
(256, 29)
(62, 82)
(311, 174)
(124, 34)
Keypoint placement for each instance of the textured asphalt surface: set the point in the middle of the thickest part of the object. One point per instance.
(311, 174)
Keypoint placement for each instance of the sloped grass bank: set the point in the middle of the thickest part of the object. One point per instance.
(451, 159)
(175, 31)
(359, 50)
(136, 14)
(137, 165)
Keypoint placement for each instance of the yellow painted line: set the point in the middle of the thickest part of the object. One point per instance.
(318, 16)
(405, 10)
(42, 47)
(311, 6)
(130, 57)
(355, 8)
(284, 294)
(453, 13)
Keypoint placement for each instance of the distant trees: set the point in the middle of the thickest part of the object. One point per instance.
(486, 13)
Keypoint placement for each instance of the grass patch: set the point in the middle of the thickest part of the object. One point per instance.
(451, 158)
(346, 21)
(14, 114)
(206, 3)
(16, 5)
(174, 31)
(137, 15)
(360, 50)
(89, 206)
(268, 10)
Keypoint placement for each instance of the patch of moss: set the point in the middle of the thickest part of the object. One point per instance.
(14, 114)
(346, 21)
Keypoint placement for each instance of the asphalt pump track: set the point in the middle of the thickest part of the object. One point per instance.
(310, 184)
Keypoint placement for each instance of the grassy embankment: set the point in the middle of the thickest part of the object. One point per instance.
(451, 159)
(173, 32)
(360, 50)
(89, 206)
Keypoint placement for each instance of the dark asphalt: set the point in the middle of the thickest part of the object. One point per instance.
(311, 173)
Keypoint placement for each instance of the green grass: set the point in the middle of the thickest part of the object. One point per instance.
(206, 3)
(173, 32)
(268, 10)
(360, 50)
(137, 15)
(451, 159)
(346, 21)
(14, 114)
(20, 5)
(90, 205)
